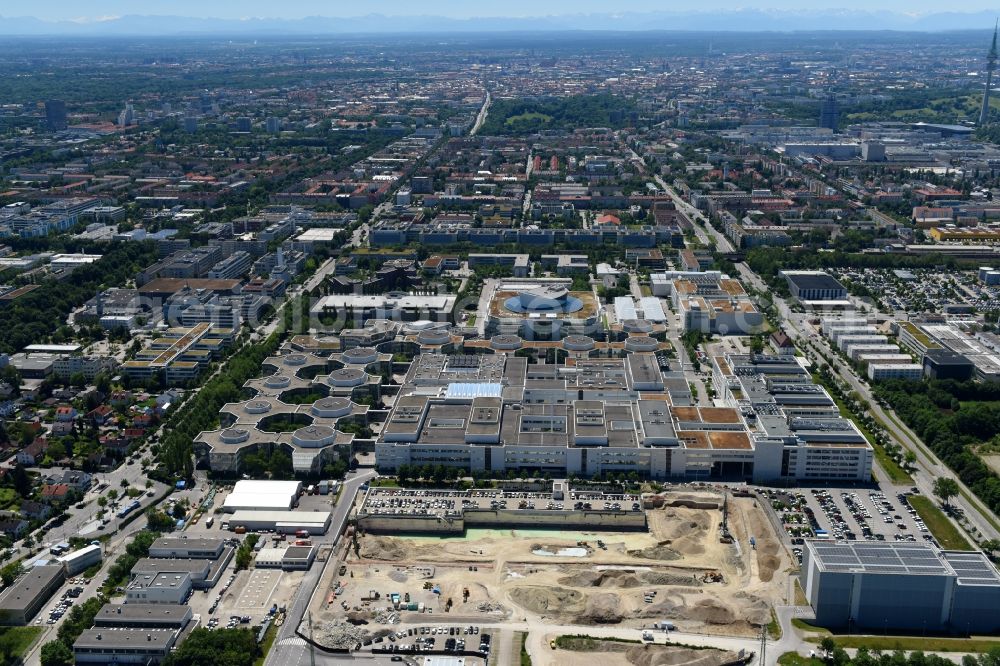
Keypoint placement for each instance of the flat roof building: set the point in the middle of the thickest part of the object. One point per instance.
(205, 573)
(143, 616)
(498, 412)
(104, 645)
(20, 602)
(814, 286)
(901, 586)
(288, 522)
(187, 547)
(81, 560)
(162, 588)
(262, 496)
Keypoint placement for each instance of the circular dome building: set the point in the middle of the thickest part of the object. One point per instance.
(347, 377)
(544, 299)
(331, 408)
(314, 436)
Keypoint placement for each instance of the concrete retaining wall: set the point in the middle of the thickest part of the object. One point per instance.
(513, 518)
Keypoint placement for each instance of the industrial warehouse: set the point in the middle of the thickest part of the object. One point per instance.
(263, 496)
(619, 415)
(901, 586)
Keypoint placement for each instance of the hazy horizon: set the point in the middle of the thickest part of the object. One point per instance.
(103, 10)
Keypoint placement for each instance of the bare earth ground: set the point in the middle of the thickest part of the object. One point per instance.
(607, 653)
(678, 570)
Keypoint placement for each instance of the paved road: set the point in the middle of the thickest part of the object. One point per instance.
(721, 242)
(483, 113)
(929, 466)
(287, 651)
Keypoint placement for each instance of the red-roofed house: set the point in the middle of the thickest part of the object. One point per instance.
(101, 414)
(65, 413)
(607, 220)
(55, 492)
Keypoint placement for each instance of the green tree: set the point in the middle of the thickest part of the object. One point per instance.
(21, 480)
(224, 647)
(159, 521)
(945, 487)
(55, 653)
(56, 451)
(10, 573)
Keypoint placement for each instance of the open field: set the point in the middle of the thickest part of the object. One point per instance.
(927, 644)
(16, 641)
(584, 651)
(677, 570)
(943, 530)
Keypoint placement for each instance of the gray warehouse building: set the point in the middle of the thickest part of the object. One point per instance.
(901, 586)
(814, 286)
(20, 602)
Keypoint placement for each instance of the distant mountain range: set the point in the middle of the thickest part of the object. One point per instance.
(743, 20)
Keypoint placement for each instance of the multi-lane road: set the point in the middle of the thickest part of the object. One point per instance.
(929, 467)
(289, 649)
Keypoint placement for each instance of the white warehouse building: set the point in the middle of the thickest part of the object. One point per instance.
(81, 560)
(262, 496)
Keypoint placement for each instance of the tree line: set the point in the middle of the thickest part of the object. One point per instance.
(36, 316)
(202, 412)
(952, 418)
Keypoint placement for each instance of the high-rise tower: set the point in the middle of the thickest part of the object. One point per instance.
(991, 64)
(829, 113)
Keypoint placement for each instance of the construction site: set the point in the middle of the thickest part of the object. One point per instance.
(708, 561)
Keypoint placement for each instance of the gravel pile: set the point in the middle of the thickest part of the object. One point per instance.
(340, 635)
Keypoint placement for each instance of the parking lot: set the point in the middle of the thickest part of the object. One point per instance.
(437, 638)
(60, 605)
(257, 591)
(851, 514)
(858, 514)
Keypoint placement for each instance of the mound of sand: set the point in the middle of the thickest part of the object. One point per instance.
(663, 655)
(547, 600)
(768, 559)
(753, 609)
(660, 578)
(661, 551)
(604, 608)
(617, 579)
(383, 548)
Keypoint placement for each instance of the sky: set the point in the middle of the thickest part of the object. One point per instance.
(95, 10)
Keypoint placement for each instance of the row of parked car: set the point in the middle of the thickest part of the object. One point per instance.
(424, 639)
(62, 607)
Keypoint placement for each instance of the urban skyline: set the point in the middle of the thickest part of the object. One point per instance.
(306, 18)
(500, 342)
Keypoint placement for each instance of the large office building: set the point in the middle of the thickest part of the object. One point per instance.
(814, 286)
(540, 309)
(343, 379)
(396, 307)
(188, 547)
(20, 602)
(55, 114)
(107, 645)
(180, 354)
(499, 413)
(710, 302)
(886, 586)
(160, 588)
